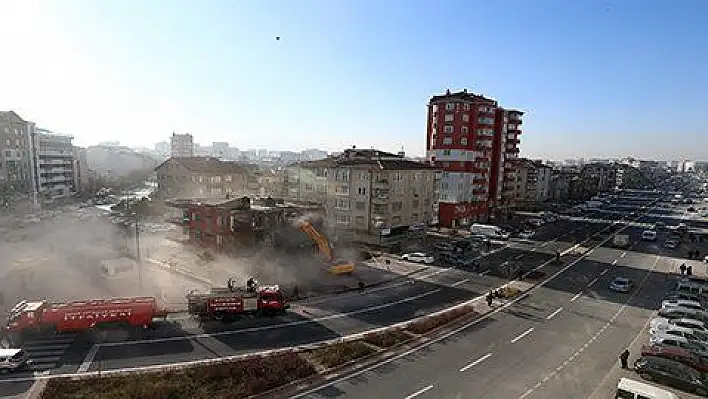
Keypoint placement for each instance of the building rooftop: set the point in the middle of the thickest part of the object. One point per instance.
(462, 95)
(367, 159)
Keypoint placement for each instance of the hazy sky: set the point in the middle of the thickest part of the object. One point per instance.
(596, 78)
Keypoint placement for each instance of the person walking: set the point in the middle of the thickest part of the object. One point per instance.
(490, 299)
(361, 287)
(689, 271)
(624, 358)
(683, 268)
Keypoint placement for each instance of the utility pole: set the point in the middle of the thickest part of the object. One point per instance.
(137, 254)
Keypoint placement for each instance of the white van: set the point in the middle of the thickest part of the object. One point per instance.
(13, 359)
(649, 235)
(118, 267)
(632, 389)
(489, 231)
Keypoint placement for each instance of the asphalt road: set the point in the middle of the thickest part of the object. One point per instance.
(182, 340)
(561, 341)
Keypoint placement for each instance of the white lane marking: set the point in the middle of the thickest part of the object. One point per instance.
(485, 272)
(544, 244)
(550, 316)
(576, 296)
(602, 273)
(623, 254)
(476, 362)
(523, 334)
(88, 359)
(591, 283)
(614, 262)
(605, 326)
(420, 391)
(527, 393)
(519, 256)
(271, 327)
(455, 284)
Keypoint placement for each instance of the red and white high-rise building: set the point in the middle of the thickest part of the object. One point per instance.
(472, 139)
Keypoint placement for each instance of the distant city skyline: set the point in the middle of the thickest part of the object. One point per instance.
(338, 76)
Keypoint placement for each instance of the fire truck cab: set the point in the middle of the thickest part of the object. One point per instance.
(220, 304)
(25, 315)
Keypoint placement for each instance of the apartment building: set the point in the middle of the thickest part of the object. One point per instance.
(202, 177)
(472, 139)
(369, 195)
(181, 145)
(15, 158)
(533, 181)
(53, 163)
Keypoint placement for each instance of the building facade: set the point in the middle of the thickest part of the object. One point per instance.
(533, 182)
(181, 145)
(15, 157)
(53, 163)
(471, 138)
(368, 195)
(201, 177)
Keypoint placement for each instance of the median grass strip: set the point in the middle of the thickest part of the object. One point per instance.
(258, 375)
(222, 380)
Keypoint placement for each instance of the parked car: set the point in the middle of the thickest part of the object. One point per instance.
(685, 296)
(662, 323)
(681, 303)
(677, 354)
(443, 247)
(671, 243)
(455, 260)
(671, 373)
(649, 235)
(419, 257)
(621, 284)
(679, 342)
(527, 234)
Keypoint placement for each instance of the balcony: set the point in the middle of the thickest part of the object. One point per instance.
(380, 199)
(381, 183)
(479, 180)
(513, 141)
(482, 159)
(512, 150)
(509, 178)
(485, 133)
(479, 191)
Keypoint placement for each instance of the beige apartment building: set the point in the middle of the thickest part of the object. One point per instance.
(532, 182)
(369, 195)
(201, 177)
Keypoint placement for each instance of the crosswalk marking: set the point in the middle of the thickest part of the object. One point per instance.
(45, 352)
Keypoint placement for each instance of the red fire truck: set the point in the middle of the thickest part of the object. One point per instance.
(36, 316)
(225, 304)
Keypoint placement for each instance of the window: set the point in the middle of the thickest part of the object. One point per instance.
(362, 190)
(344, 190)
(17, 133)
(463, 141)
(465, 117)
(216, 179)
(450, 106)
(343, 219)
(448, 129)
(465, 130)
(7, 142)
(198, 235)
(342, 204)
(359, 220)
(396, 220)
(201, 179)
(414, 218)
(195, 217)
(228, 178)
(447, 152)
(397, 206)
(398, 176)
(416, 203)
(449, 117)
(308, 186)
(360, 206)
(447, 141)
(466, 107)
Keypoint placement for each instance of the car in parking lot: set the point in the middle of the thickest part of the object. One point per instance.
(677, 354)
(659, 225)
(671, 373)
(679, 342)
(671, 243)
(678, 331)
(455, 260)
(527, 234)
(649, 235)
(621, 284)
(444, 247)
(662, 323)
(683, 313)
(418, 257)
(681, 303)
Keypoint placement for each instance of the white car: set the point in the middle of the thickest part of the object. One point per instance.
(418, 257)
(662, 324)
(621, 284)
(649, 235)
(681, 303)
(690, 334)
(527, 234)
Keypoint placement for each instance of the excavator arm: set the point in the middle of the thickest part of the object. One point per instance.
(319, 239)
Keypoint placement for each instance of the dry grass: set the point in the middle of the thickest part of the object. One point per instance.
(431, 323)
(225, 380)
(338, 354)
(387, 339)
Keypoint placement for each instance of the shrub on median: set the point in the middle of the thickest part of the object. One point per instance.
(222, 380)
(387, 339)
(430, 323)
(338, 354)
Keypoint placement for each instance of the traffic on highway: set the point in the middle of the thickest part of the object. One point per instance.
(590, 300)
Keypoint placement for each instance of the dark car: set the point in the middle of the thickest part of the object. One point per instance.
(454, 260)
(444, 247)
(672, 373)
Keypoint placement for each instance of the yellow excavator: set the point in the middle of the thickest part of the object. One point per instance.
(337, 266)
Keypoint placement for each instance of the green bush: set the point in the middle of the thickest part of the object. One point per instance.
(338, 354)
(387, 339)
(223, 380)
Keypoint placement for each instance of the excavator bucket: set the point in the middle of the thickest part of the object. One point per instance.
(341, 267)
